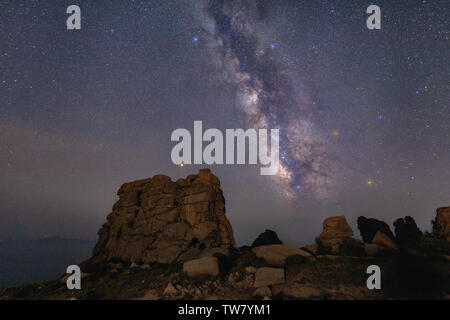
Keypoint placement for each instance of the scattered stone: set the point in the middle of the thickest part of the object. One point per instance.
(276, 254)
(443, 222)
(268, 237)
(133, 265)
(383, 240)
(202, 266)
(335, 231)
(268, 276)
(406, 232)
(262, 292)
(369, 227)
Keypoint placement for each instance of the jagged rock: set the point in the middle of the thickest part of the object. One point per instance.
(202, 266)
(443, 222)
(262, 292)
(335, 231)
(268, 276)
(406, 232)
(383, 240)
(268, 237)
(276, 254)
(369, 227)
(158, 220)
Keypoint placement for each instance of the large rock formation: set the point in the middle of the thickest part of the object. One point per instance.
(369, 227)
(158, 220)
(443, 222)
(335, 232)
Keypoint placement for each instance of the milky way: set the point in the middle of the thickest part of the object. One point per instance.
(266, 96)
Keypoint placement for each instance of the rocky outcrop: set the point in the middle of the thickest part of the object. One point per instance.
(369, 227)
(268, 237)
(158, 220)
(443, 222)
(406, 232)
(335, 232)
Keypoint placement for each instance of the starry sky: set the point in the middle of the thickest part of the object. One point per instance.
(363, 114)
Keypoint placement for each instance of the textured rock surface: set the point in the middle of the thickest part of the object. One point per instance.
(158, 220)
(369, 227)
(268, 276)
(276, 254)
(268, 237)
(203, 266)
(406, 232)
(443, 222)
(335, 231)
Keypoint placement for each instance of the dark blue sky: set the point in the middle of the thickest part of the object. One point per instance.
(363, 113)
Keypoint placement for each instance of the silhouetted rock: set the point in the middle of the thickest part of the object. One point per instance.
(443, 222)
(268, 237)
(406, 232)
(158, 220)
(369, 227)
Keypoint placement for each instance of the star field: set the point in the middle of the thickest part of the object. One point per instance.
(363, 114)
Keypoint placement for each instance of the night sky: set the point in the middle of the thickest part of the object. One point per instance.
(363, 114)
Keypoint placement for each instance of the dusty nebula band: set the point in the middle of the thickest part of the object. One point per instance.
(266, 95)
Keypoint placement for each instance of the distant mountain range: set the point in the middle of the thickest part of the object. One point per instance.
(23, 261)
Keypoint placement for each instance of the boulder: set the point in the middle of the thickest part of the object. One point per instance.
(384, 241)
(158, 220)
(262, 292)
(268, 237)
(268, 276)
(369, 227)
(335, 231)
(202, 266)
(276, 254)
(442, 222)
(406, 232)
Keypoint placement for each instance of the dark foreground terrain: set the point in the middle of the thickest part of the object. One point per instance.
(413, 275)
